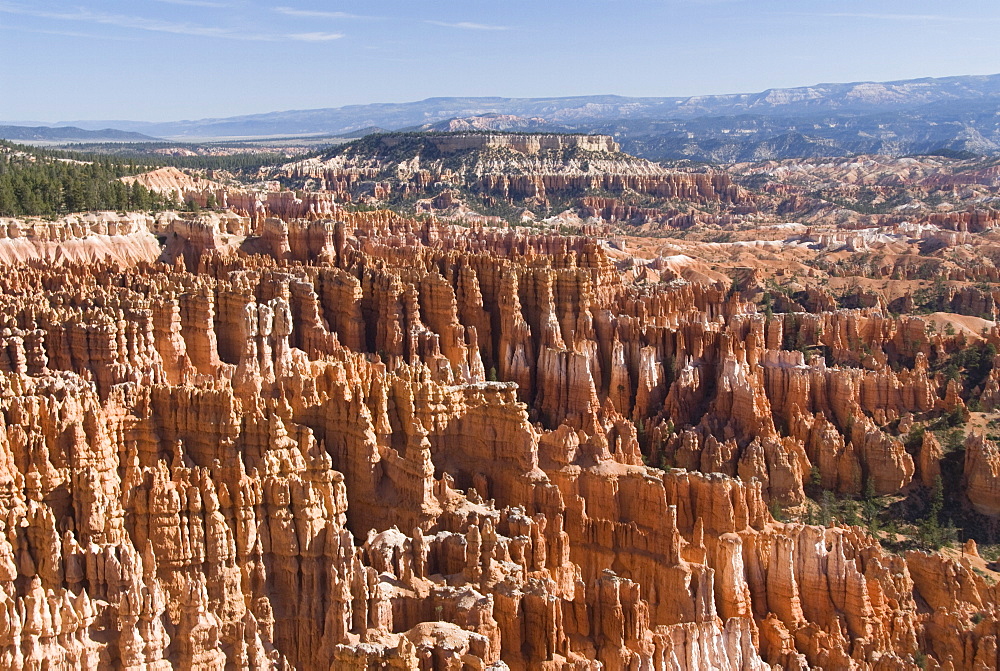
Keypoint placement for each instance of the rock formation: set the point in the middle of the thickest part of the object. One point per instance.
(379, 442)
(522, 168)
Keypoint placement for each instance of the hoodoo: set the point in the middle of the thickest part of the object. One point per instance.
(588, 383)
(323, 449)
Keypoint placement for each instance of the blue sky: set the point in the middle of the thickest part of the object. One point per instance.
(161, 60)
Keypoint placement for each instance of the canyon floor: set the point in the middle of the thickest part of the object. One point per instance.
(488, 401)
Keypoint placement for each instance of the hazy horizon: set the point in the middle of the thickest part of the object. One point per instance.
(167, 60)
(484, 97)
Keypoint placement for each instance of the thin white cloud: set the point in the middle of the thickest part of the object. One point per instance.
(315, 37)
(124, 21)
(895, 17)
(161, 26)
(196, 3)
(68, 33)
(467, 25)
(317, 14)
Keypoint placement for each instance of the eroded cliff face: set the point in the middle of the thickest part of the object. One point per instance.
(384, 443)
(522, 143)
(81, 238)
(527, 169)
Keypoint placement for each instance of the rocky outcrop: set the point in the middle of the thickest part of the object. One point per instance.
(982, 474)
(381, 442)
(526, 143)
(85, 238)
(500, 167)
(614, 211)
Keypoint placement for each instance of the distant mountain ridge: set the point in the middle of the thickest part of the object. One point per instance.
(959, 126)
(851, 98)
(899, 117)
(68, 134)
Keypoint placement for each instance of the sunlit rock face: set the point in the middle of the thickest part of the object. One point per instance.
(375, 442)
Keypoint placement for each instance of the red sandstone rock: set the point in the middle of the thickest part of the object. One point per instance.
(256, 462)
(982, 473)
